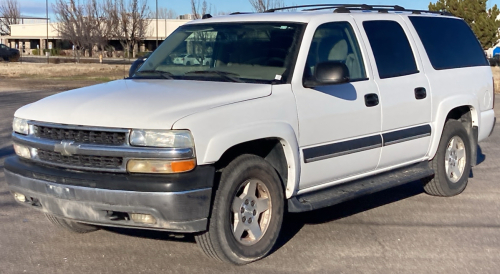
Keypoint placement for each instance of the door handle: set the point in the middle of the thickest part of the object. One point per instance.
(420, 93)
(371, 99)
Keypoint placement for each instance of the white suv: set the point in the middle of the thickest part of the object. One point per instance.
(296, 111)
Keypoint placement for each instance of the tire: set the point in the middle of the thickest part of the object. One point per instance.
(219, 242)
(448, 180)
(71, 226)
(188, 63)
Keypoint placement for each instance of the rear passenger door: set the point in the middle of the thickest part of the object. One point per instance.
(403, 86)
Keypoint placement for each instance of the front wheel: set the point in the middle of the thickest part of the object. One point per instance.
(247, 213)
(451, 163)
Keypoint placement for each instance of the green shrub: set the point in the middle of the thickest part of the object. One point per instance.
(142, 54)
(53, 52)
(36, 52)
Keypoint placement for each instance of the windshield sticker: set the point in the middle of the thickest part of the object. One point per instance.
(284, 27)
(278, 77)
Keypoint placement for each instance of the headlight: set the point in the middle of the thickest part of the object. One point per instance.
(20, 126)
(161, 138)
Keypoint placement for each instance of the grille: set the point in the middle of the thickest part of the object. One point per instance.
(81, 160)
(81, 136)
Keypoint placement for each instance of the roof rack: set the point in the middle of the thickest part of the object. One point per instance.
(347, 8)
(238, 12)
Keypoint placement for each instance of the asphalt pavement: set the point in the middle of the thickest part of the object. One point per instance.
(401, 230)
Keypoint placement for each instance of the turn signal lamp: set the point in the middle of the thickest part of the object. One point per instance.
(160, 166)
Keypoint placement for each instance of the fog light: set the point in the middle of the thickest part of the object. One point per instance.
(160, 166)
(20, 197)
(22, 151)
(142, 218)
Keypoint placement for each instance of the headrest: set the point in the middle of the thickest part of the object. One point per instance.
(332, 48)
(339, 52)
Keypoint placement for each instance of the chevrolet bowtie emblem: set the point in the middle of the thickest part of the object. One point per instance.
(66, 148)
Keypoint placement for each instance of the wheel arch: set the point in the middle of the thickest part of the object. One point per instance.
(275, 142)
(463, 109)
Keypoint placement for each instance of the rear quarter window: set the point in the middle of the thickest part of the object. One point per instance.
(449, 42)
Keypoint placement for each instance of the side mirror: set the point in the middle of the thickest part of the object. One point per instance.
(136, 66)
(328, 73)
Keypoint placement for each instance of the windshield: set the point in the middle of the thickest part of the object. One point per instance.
(229, 52)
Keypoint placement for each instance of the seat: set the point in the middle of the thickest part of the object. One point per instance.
(339, 52)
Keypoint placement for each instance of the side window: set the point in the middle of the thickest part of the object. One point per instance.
(336, 42)
(449, 42)
(390, 46)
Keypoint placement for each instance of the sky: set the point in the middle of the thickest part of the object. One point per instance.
(37, 7)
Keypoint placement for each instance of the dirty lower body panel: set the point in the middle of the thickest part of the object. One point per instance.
(178, 211)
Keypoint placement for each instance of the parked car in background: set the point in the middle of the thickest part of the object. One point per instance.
(495, 60)
(190, 60)
(196, 60)
(8, 53)
(179, 60)
(138, 63)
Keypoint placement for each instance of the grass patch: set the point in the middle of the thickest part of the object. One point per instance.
(102, 79)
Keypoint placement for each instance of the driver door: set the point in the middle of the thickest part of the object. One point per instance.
(339, 124)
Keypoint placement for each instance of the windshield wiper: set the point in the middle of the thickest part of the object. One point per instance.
(233, 77)
(164, 74)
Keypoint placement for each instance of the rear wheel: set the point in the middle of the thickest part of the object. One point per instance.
(451, 163)
(71, 226)
(247, 212)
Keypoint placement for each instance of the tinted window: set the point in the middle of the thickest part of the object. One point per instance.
(390, 46)
(336, 42)
(449, 43)
(261, 52)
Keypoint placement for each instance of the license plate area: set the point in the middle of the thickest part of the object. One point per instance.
(60, 192)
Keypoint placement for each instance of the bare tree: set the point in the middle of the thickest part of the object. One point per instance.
(131, 17)
(164, 13)
(74, 24)
(10, 13)
(199, 8)
(263, 5)
(104, 24)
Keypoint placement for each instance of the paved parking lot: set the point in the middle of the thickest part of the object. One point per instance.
(401, 230)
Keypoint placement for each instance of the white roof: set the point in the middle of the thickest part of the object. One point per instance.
(298, 16)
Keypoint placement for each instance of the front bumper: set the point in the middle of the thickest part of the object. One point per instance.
(176, 206)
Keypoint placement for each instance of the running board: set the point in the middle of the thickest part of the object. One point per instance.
(364, 186)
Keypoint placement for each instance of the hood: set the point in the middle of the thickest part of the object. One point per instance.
(144, 104)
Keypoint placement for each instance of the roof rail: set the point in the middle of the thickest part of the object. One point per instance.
(347, 8)
(238, 12)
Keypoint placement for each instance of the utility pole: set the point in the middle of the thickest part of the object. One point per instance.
(47, 17)
(156, 23)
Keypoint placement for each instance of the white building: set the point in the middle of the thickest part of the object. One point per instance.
(33, 34)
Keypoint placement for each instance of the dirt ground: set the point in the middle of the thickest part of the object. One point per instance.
(62, 72)
(31, 74)
(496, 76)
